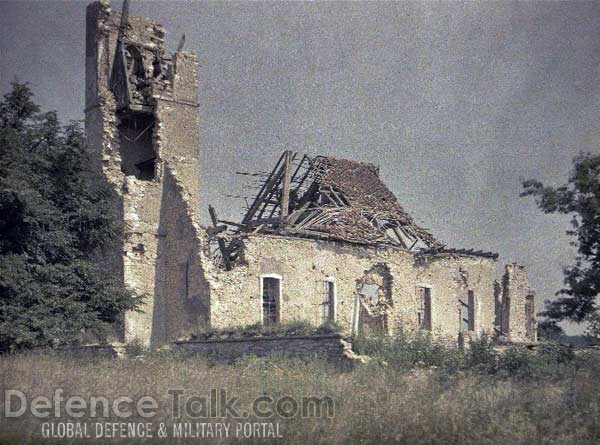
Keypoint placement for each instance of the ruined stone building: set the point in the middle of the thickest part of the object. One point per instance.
(324, 239)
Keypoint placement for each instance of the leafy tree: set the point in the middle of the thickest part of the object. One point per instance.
(593, 329)
(549, 330)
(580, 198)
(55, 218)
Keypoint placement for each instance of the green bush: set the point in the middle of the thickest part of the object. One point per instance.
(296, 328)
(518, 362)
(407, 350)
(135, 349)
(330, 327)
(481, 355)
(555, 352)
(419, 350)
(546, 360)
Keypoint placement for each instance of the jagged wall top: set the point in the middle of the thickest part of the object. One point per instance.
(136, 66)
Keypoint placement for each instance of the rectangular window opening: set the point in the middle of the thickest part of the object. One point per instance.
(530, 317)
(138, 154)
(424, 314)
(271, 288)
(467, 313)
(328, 302)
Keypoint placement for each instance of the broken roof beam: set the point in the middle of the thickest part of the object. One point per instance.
(297, 170)
(306, 233)
(308, 195)
(470, 252)
(339, 196)
(230, 223)
(293, 217)
(302, 180)
(273, 189)
(397, 233)
(264, 190)
(268, 221)
(285, 188)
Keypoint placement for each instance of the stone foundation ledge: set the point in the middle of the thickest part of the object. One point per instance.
(333, 348)
(259, 338)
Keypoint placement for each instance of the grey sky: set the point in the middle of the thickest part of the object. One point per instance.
(456, 102)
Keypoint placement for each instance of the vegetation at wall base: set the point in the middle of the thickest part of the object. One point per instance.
(292, 329)
(523, 397)
(481, 356)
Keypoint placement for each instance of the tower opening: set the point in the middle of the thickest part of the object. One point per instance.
(138, 154)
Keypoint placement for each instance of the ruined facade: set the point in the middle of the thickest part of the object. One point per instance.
(143, 131)
(323, 241)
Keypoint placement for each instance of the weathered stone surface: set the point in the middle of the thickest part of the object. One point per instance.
(330, 347)
(303, 264)
(158, 255)
(147, 149)
(515, 293)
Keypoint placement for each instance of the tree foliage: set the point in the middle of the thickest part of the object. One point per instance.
(55, 217)
(580, 198)
(549, 330)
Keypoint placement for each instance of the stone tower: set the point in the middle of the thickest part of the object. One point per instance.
(142, 129)
(517, 307)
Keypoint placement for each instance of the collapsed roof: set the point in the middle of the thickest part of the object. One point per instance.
(338, 199)
(323, 197)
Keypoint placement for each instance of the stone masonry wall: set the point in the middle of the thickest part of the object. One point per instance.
(181, 299)
(303, 264)
(330, 347)
(163, 252)
(161, 242)
(515, 290)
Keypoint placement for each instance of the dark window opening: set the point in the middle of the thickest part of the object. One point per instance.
(530, 317)
(467, 313)
(424, 314)
(146, 169)
(138, 155)
(270, 300)
(328, 303)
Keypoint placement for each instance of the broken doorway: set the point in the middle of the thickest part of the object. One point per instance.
(374, 297)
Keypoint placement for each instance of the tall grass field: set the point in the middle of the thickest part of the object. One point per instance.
(411, 391)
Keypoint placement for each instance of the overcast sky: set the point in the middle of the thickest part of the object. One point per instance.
(456, 102)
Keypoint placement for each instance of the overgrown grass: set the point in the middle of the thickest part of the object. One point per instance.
(414, 391)
(297, 328)
(419, 350)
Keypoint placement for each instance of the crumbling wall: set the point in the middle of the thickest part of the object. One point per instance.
(147, 149)
(146, 146)
(450, 278)
(374, 296)
(304, 264)
(517, 310)
(181, 296)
